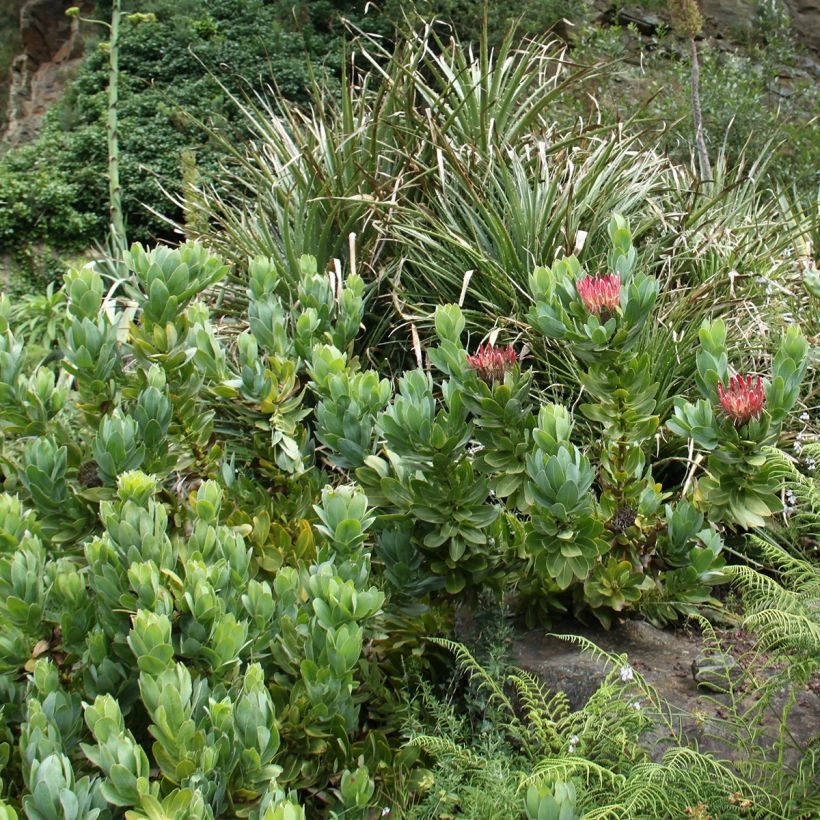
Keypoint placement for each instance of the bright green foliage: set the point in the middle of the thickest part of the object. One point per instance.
(558, 312)
(166, 279)
(346, 413)
(502, 410)
(470, 484)
(186, 599)
(27, 403)
(740, 486)
(607, 540)
(546, 803)
(189, 625)
(565, 535)
(616, 377)
(215, 639)
(427, 477)
(282, 337)
(613, 585)
(356, 791)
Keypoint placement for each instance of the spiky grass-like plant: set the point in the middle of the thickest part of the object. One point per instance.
(446, 163)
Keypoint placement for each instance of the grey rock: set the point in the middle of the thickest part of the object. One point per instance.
(686, 674)
(52, 51)
(717, 671)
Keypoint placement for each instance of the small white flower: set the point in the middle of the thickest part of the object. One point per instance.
(573, 742)
(385, 811)
(804, 416)
(636, 705)
(800, 437)
(798, 447)
(627, 674)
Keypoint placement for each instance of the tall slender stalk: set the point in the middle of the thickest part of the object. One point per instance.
(697, 115)
(688, 21)
(112, 130)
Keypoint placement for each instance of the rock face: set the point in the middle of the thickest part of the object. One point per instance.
(684, 672)
(52, 51)
(737, 17)
(729, 20)
(805, 16)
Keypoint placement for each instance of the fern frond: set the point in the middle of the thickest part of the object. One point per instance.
(660, 708)
(761, 591)
(685, 762)
(591, 648)
(785, 630)
(713, 644)
(543, 713)
(568, 766)
(469, 665)
(803, 576)
(803, 792)
(438, 747)
(804, 518)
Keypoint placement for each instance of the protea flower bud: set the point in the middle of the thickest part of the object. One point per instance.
(491, 362)
(743, 400)
(600, 294)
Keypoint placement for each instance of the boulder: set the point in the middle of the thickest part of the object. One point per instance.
(687, 674)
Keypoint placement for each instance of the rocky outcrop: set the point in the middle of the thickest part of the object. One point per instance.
(683, 670)
(52, 51)
(729, 20)
(805, 16)
(738, 17)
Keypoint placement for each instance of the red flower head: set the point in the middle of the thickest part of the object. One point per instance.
(600, 293)
(491, 362)
(743, 400)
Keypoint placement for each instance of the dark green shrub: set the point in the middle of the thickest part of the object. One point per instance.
(55, 190)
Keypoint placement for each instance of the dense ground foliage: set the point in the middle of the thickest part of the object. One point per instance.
(54, 190)
(209, 617)
(429, 347)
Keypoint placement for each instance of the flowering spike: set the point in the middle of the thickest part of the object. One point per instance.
(491, 363)
(743, 399)
(600, 294)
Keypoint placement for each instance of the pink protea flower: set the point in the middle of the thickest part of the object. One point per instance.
(743, 400)
(491, 362)
(600, 294)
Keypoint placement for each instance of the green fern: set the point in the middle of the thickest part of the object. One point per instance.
(802, 526)
(539, 741)
(785, 615)
(440, 747)
(545, 713)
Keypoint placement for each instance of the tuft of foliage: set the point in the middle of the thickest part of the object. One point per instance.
(480, 483)
(176, 640)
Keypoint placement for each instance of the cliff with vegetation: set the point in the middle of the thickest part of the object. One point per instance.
(187, 71)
